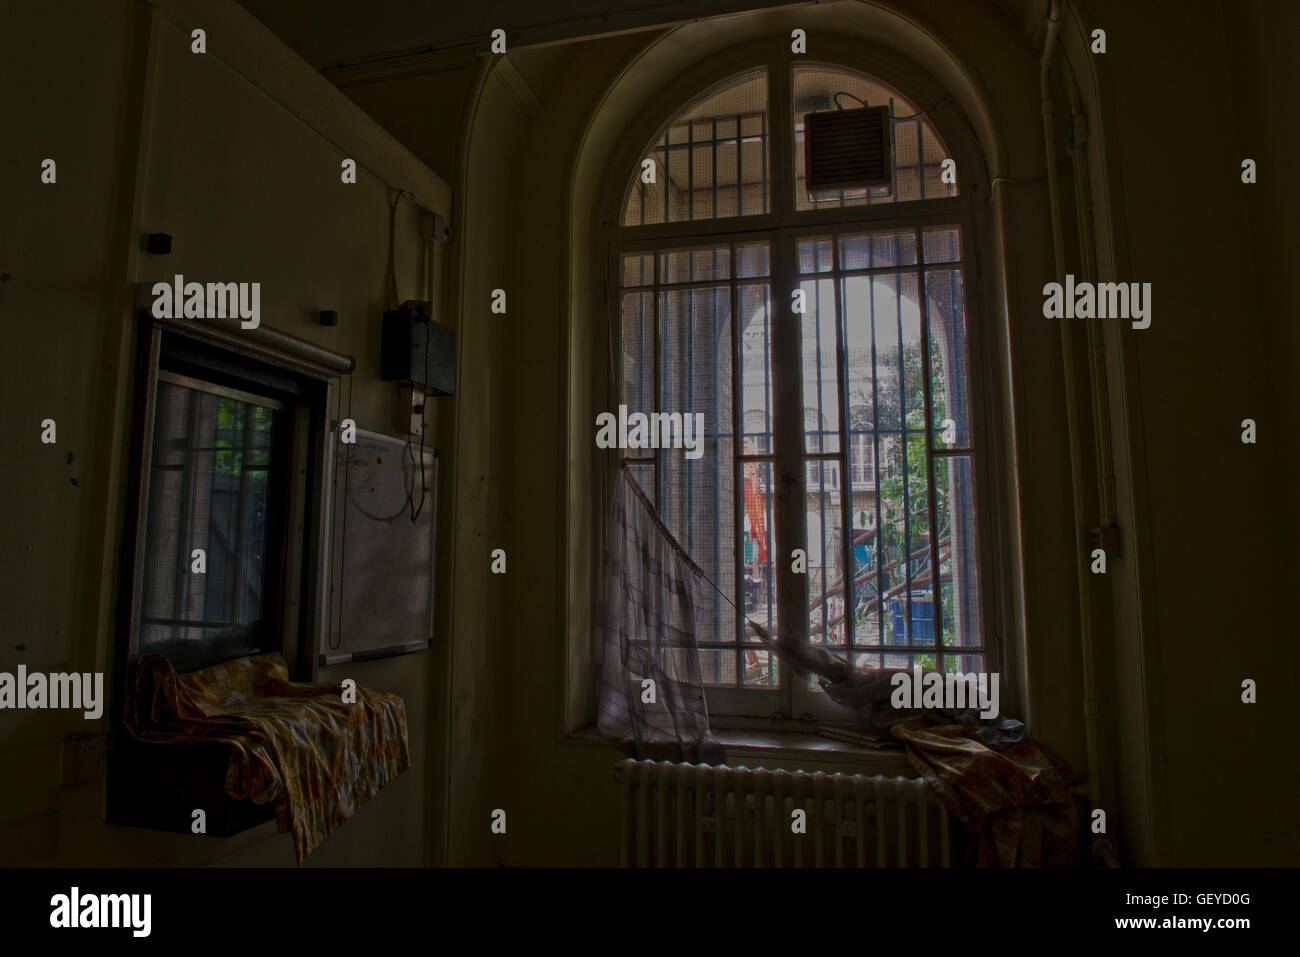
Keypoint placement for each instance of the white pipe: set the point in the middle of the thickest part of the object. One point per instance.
(1071, 407)
(1096, 348)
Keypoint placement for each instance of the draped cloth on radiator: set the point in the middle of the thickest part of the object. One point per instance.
(1017, 799)
(295, 745)
(646, 630)
(1000, 784)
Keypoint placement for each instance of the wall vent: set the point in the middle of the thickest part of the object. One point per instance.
(848, 149)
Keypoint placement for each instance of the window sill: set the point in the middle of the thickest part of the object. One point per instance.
(746, 747)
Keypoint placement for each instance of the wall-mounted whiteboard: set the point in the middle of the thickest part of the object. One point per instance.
(380, 592)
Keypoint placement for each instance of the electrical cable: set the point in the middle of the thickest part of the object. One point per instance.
(926, 110)
(836, 99)
(392, 242)
(415, 510)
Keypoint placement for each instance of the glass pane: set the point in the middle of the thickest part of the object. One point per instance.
(878, 250)
(959, 586)
(718, 666)
(942, 245)
(758, 554)
(760, 668)
(711, 161)
(209, 487)
(638, 355)
(638, 269)
(918, 151)
(887, 458)
(756, 369)
(824, 543)
(752, 261)
(815, 256)
(820, 369)
(964, 664)
(697, 491)
(695, 265)
(949, 359)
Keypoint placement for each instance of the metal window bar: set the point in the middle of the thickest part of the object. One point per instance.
(762, 152)
(180, 594)
(936, 612)
(690, 179)
(902, 408)
(737, 422)
(713, 144)
(875, 438)
(903, 433)
(845, 446)
(238, 512)
(713, 406)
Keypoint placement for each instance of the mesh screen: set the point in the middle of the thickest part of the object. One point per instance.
(864, 333)
(711, 161)
(949, 359)
(680, 344)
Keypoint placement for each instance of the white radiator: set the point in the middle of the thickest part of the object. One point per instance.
(695, 815)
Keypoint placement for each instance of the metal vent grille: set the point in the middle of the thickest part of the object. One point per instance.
(847, 149)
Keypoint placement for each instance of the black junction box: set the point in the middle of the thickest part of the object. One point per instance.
(418, 350)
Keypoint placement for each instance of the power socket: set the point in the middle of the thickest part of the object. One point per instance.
(410, 411)
(85, 758)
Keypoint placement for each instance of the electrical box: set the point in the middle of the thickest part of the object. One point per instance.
(848, 149)
(417, 351)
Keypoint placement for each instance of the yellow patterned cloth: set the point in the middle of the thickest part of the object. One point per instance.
(1017, 799)
(295, 745)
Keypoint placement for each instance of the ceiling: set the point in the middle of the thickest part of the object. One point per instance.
(331, 33)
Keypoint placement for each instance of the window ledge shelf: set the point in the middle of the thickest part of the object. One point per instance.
(753, 747)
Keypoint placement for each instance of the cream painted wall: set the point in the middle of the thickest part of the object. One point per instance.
(1186, 98)
(241, 164)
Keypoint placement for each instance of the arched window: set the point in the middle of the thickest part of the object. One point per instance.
(823, 338)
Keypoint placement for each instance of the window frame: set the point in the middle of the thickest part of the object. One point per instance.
(266, 364)
(781, 227)
(278, 502)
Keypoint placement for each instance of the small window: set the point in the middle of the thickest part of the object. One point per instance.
(864, 461)
(226, 516)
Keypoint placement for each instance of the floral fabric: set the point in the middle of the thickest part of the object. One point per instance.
(1017, 798)
(295, 745)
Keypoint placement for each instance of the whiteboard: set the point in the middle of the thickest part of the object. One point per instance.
(379, 596)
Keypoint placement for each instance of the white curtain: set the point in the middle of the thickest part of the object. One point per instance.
(646, 659)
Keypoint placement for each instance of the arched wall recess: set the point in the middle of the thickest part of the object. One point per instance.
(668, 72)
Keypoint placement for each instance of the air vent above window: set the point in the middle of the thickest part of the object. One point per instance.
(848, 149)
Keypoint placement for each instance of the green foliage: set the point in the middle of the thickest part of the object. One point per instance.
(232, 415)
(906, 461)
